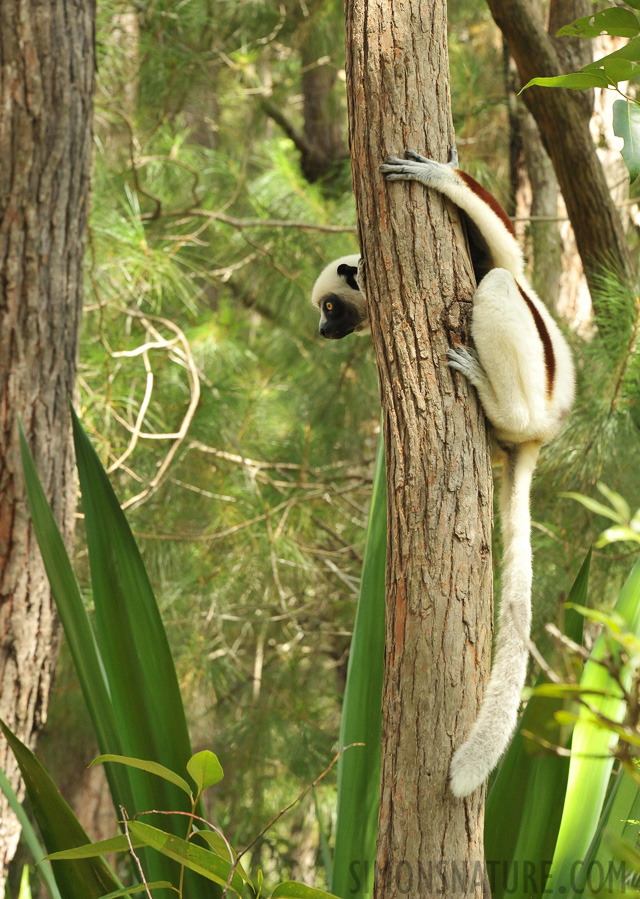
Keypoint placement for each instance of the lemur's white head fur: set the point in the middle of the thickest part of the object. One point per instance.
(342, 305)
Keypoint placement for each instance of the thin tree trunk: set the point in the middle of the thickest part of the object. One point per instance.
(46, 86)
(439, 492)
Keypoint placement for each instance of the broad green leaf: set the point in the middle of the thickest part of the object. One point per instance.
(208, 864)
(577, 81)
(594, 506)
(626, 124)
(591, 761)
(630, 51)
(141, 888)
(523, 809)
(205, 769)
(634, 3)
(145, 765)
(77, 628)
(359, 767)
(118, 843)
(60, 829)
(292, 890)
(28, 836)
(614, 21)
(618, 70)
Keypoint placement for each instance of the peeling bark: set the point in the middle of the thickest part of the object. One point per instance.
(439, 493)
(46, 87)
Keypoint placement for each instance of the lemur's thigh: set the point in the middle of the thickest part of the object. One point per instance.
(510, 353)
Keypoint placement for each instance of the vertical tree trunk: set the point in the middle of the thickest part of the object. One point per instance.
(439, 491)
(46, 86)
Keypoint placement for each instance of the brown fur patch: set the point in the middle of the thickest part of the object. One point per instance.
(489, 199)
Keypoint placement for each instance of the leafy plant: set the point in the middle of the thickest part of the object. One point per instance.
(129, 682)
(609, 72)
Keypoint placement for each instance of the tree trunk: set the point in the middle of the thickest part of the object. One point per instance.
(563, 119)
(46, 86)
(439, 493)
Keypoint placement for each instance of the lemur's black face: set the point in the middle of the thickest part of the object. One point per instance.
(338, 318)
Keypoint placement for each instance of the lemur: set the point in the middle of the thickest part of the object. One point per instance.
(523, 371)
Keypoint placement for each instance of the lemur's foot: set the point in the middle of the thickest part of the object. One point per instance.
(466, 362)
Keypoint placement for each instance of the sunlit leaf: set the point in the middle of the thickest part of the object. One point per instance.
(594, 506)
(614, 21)
(205, 769)
(578, 81)
(626, 124)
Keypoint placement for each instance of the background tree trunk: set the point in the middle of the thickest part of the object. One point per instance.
(563, 119)
(439, 492)
(46, 87)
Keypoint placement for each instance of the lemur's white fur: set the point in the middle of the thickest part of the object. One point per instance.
(523, 372)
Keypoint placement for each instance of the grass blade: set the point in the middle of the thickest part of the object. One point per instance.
(359, 768)
(60, 829)
(75, 621)
(29, 837)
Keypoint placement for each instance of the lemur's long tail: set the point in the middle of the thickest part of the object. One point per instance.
(489, 736)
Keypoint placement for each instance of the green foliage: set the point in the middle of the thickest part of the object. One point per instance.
(609, 72)
(136, 705)
(359, 768)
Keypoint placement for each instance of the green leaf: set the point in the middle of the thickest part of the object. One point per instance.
(359, 768)
(620, 534)
(118, 843)
(142, 679)
(203, 862)
(577, 81)
(205, 769)
(141, 888)
(28, 836)
(626, 124)
(594, 506)
(77, 628)
(618, 70)
(146, 765)
(60, 829)
(523, 811)
(618, 502)
(588, 775)
(292, 890)
(614, 21)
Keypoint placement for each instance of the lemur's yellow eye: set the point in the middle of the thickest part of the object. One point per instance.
(328, 307)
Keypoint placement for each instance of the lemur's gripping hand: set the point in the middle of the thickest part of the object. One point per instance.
(417, 168)
(360, 277)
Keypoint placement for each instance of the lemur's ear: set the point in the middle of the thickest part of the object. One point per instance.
(349, 272)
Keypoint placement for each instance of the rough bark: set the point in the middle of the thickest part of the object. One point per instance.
(46, 84)
(439, 490)
(563, 120)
